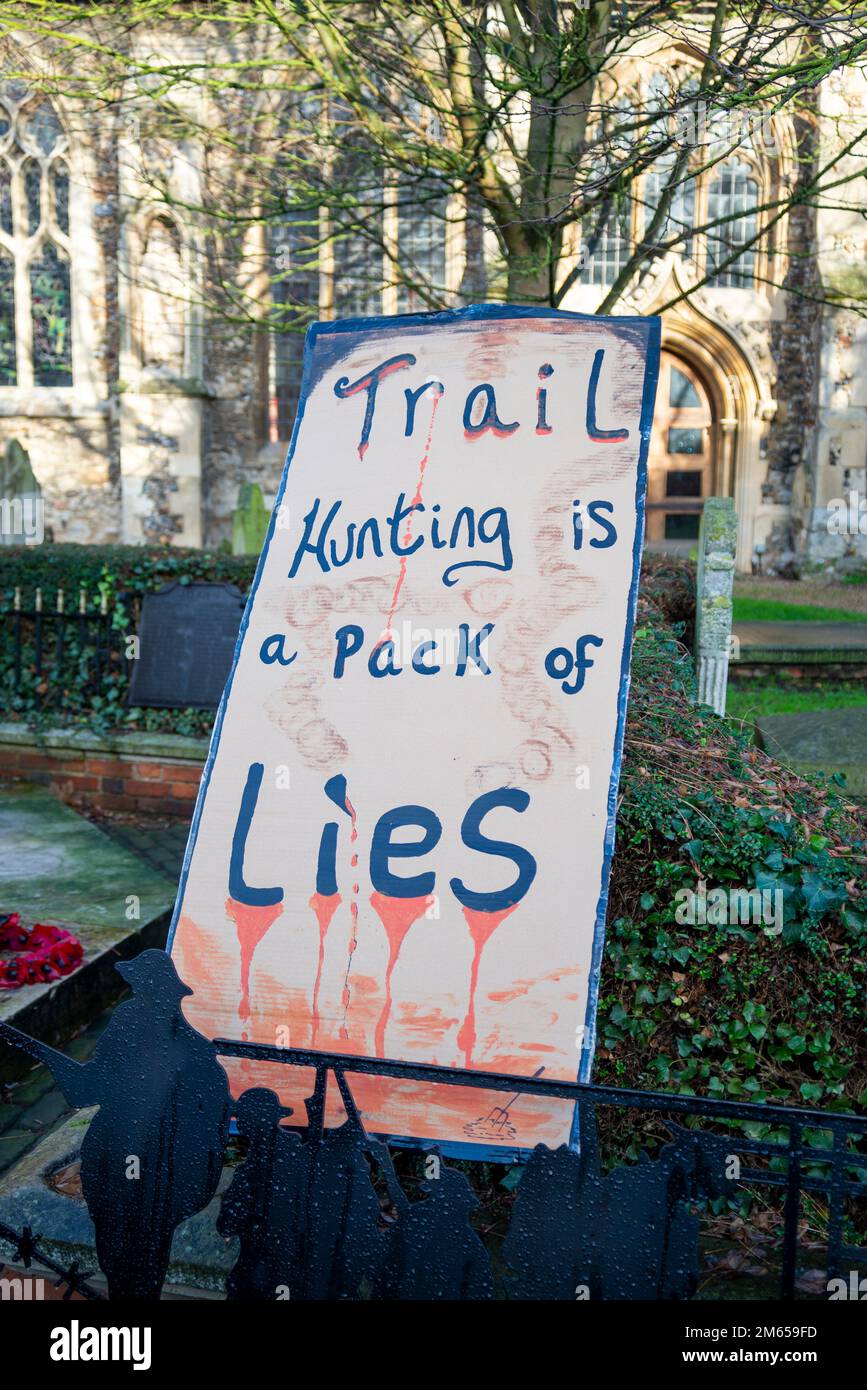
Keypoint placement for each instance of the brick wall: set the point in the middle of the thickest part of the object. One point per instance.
(141, 781)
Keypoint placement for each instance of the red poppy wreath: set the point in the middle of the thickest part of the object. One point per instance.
(40, 953)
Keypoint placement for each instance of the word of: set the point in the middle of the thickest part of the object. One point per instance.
(560, 662)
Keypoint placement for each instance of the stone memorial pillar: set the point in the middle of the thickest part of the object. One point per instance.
(717, 543)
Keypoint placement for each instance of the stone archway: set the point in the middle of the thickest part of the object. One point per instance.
(681, 467)
(736, 403)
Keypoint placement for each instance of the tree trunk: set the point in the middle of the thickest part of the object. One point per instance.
(530, 284)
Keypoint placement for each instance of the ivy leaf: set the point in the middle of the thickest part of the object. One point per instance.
(819, 895)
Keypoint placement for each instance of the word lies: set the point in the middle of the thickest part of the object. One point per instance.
(384, 848)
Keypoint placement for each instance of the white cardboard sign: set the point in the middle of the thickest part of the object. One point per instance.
(403, 836)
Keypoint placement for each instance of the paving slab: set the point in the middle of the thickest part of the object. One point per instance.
(801, 641)
(828, 741)
(42, 1192)
(56, 867)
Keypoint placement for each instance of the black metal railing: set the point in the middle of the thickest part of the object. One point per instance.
(324, 1212)
(822, 1153)
(60, 651)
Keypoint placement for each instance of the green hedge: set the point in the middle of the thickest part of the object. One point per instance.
(102, 571)
(112, 568)
(730, 1010)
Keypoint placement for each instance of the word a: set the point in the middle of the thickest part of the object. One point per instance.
(76, 1343)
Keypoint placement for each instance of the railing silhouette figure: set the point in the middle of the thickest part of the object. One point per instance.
(322, 1214)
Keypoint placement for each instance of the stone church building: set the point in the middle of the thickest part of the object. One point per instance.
(143, 414)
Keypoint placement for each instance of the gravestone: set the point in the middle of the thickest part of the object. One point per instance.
(713, 617)
(249, 521)
(21, 520)
(187, 635)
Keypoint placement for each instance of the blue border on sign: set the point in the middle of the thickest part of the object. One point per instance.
(653, 328)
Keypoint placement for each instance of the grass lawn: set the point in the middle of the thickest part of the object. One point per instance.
(746, 609)
(751, 702)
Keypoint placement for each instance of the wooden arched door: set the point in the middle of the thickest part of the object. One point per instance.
(680, 469)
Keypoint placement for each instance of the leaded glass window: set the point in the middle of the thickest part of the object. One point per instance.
(421, 244)
(8, 375)
(732, 196)
(606, 244)
(605, 249)
(49, 305)
(35, 272)
(680, 219)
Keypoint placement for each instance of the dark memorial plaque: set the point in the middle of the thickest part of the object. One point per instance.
(187, 634)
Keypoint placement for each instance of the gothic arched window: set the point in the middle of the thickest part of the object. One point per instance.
(680, 219)
(606, 232)
(732, 199)
(35, 286)
(606, 249)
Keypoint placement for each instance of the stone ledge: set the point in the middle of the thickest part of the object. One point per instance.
(133, 744)
(151, 773)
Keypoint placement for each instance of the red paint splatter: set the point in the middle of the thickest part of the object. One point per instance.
(397, 916)
(474, 434)
(324, 906)
(482, 926)
(407, 535)
(251, 924)
(353, 931)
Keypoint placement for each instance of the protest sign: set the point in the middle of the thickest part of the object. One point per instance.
(404, 832)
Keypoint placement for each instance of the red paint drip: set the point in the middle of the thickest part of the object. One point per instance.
(251, 924)
(397, 916)
(324, 906)
(407, 535)
(482, 926)
(353, 933)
